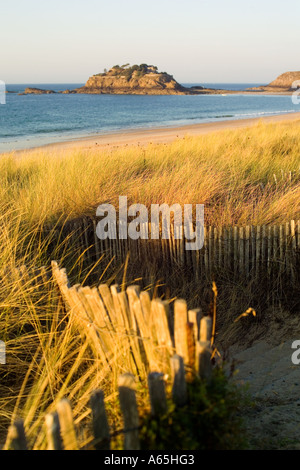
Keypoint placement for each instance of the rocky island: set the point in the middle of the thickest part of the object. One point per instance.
(137, 79)
(36, 91)
(145, 79)
(140, 79)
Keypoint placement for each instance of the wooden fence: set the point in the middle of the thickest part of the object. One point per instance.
(244, 251)
(61, 433)
(152, 339)
(128, 327)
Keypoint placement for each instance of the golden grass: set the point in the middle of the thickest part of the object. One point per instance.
(248, 176)
(48, 358)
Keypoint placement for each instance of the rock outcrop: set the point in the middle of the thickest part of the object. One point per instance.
(286, 80)
(37, 91)
(139, 80)
(67, 92)
(282, 84)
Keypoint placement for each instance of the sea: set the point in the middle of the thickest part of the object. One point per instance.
(28, 121)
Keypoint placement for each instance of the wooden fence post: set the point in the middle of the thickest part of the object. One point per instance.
(126, 384)
(241, 250)
(247, 250)
(53, 431)
(66, 423)
(293, 248)
(161, 332)
(180, 332)
(191, 341)
(145, 333)
(157, 393)
(194, 316)
(205, 249)
(99, 420)
(205, 328)
(203, 349)
(16, 438)
(235, 248)
(263, 246)
(204, 365)
(179, 391)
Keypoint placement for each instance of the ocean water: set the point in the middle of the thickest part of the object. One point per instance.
(33, 120)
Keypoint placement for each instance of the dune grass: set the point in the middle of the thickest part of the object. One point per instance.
(246, 176)
(243, 177)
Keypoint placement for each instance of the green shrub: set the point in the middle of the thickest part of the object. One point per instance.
(209, 421)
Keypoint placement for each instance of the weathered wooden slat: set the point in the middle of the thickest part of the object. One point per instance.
(132, 334)
(210, 249)
(66, 423)
(145, 332)
(99, 421)
(160, 327)
(247, 250)
(191, 345)
(120, 321)
(16, 437)
(253, 248)
(102, 322)
(287, 247)
(146, 305)
(108, 302)
(82, 315)
(269, 248)
(53, 431)
(194, 316)
(128, 404)
(293, 246)
(157, 393)
(133, 293)
(96, 239)
(275, 251)
(204, 360)
(61, 279)
(180, 336)
(235, 249)
(216, 252)
(281, 247)
(179, 389)
(263, 245)
(226, 247)
(229, 247)
(241, 250)
(205, 328)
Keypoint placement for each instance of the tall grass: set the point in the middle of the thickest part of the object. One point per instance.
(249, 176)
(48, 358)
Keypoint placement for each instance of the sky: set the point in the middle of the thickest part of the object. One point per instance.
(196, 41)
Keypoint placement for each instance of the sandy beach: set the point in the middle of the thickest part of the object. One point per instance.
(159, 135)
